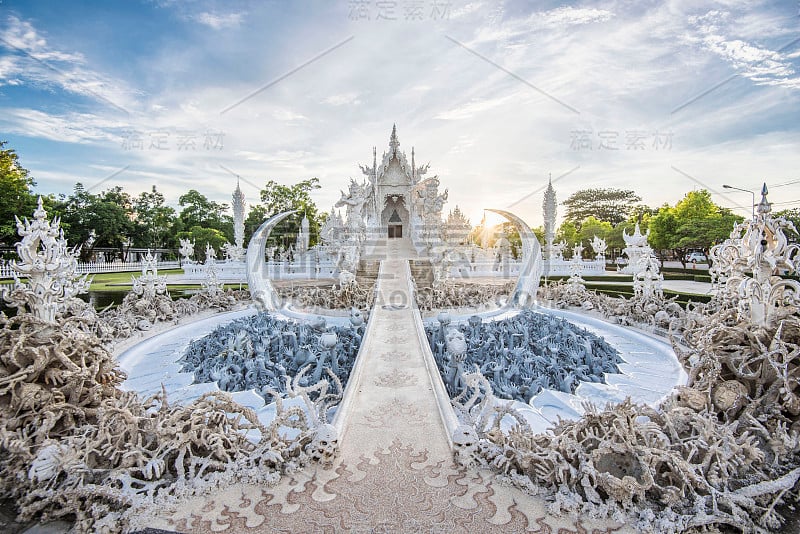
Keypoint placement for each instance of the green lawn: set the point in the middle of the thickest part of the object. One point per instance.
(121, 282)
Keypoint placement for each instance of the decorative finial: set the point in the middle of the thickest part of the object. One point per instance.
(393, 142)
(764, 206)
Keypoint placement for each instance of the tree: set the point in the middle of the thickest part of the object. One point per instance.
(278, 198)
(107, 215)
(16, 194)
(793, 216)
(611, 205)
(154, 220)
(695, 222)
(198, 210)
(568, 232)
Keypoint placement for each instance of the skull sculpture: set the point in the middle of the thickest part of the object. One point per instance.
(465, 446)
(456, 344)
(346, 278)
(325, 446)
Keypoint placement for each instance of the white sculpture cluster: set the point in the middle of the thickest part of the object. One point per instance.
(186, 250)
(237, 251)
(599, 247)
(211, 286)
(721, 452)
(49, 266)
(456, 228)
(636, 248)
(745, 267)
(76, 446)
(149, 284)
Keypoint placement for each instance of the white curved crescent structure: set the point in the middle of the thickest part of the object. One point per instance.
(530, 272)
(261, 290)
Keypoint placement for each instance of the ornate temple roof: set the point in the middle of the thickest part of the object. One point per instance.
(378, 170)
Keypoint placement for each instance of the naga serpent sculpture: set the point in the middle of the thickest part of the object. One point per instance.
(261, 290)
(524, 295)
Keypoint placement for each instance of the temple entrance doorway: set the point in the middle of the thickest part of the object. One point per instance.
(395, 216)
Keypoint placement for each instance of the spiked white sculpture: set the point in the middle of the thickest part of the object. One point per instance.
(49, 266)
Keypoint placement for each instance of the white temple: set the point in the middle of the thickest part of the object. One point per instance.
(396, 201)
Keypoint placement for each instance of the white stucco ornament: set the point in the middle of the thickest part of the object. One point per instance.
(49, 266)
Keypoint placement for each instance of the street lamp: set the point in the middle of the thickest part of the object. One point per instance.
(753, 205)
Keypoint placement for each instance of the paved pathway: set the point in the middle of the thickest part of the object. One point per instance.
(395, 471)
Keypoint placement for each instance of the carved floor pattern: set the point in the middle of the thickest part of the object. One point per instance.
(392, 411)
(395, 379)
(403, 491)
(395, 356)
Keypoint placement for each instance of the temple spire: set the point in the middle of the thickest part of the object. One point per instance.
(764, 207)
(413, 167)
(549, 205)
(238, 216)
(393, 142)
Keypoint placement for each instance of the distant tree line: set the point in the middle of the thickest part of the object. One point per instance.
(113, 218)
(693, 223)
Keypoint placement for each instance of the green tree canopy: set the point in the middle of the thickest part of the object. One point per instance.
(695, 222)
(277, 198)
(568, 231)
(792, 215)
(108, 215)
(610, 205)
(16, 193)
(155, 221)
(198, 210)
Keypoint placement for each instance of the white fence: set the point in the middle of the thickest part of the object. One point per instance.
(6, 271)
(280, 270)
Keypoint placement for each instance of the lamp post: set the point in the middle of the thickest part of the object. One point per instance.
(753, 205)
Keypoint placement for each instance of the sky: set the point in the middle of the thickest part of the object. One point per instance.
(658, 97)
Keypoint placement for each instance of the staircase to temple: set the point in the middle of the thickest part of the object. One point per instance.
(381, 249)
(422, 272)
(367, 272)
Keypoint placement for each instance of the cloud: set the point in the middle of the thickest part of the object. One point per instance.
(343, 99)
(758, 63)
(473, 108)
(219, 21)
(32, 61)
(491, 139)
(570, 16)
(68, 128)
